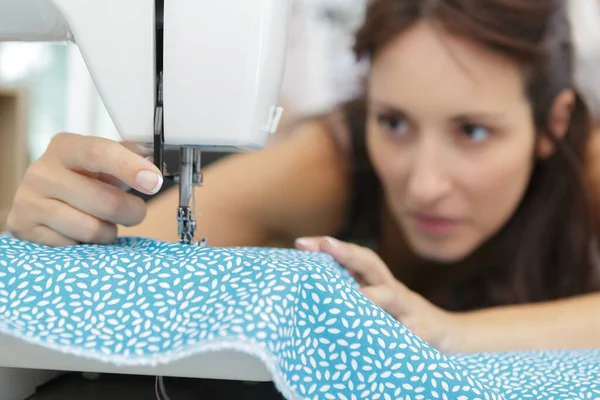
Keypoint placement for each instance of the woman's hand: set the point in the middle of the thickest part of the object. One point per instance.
(429, 322)
(72, 193)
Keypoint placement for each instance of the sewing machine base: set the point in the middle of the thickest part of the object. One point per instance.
(18, 382)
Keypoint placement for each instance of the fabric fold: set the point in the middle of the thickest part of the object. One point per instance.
(140, 302)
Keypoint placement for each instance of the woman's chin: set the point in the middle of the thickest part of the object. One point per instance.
(444, 252)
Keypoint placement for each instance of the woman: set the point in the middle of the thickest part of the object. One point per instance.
(462, 169)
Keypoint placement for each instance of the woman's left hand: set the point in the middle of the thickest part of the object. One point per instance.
(431, 323)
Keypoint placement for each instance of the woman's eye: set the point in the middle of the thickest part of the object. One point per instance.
(475, 133)
(397, 126)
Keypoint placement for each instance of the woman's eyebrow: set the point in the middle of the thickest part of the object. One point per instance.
(394, 111)
(387, 108)
(487, 117)
(463, 118)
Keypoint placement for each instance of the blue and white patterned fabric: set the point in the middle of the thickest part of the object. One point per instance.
(140, 302)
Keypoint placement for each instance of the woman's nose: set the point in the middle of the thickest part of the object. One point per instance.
(429, 179)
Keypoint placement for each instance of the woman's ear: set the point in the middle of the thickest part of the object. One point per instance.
(558, 121)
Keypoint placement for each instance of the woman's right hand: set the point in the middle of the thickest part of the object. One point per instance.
(72, 193)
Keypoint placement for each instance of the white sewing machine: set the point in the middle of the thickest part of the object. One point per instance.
(200, 75)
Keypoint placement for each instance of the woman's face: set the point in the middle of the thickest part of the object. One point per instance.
(451, 136)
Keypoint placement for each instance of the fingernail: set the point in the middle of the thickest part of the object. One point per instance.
(304, 242)
(149, 181)
(332, 242)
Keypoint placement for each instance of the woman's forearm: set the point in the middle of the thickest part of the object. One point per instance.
(564, 324)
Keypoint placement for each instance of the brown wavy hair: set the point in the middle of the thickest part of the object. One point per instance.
(545, 251)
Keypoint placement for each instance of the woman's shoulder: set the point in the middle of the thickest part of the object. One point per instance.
(330, 154)
(310, 177)
(342, 125)
(328, 129)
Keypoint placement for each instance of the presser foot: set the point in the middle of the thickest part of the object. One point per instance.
(186, 225)
(189, 177)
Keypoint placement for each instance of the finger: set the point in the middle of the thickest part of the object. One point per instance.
(307, 244)
(358, 260)
(387, 297)
(314, 244)
(47, 237)
(75, 224)
(103, 156)
(111, 180)
(90, 196)
(143, 151)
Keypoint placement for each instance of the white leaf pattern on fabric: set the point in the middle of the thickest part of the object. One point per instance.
(140, 302)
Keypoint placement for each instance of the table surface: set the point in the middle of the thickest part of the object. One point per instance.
(227, 365)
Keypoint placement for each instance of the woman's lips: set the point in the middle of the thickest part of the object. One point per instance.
(434, 224)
